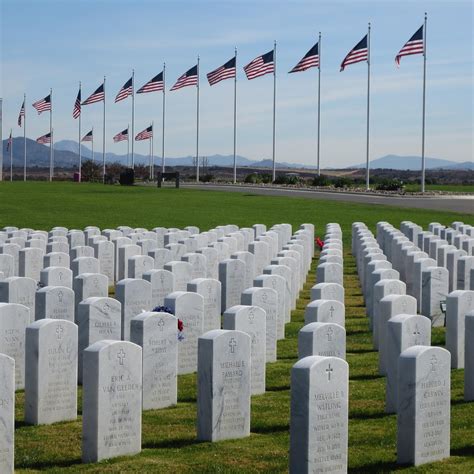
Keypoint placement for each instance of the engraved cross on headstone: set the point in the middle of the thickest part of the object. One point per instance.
(433, 362)
(161, 324)
(251, 316)
(121, 356)
(330, 333)
(60, 296)
(59, 332)
(329, 370)
(232, 345)
(331, 311)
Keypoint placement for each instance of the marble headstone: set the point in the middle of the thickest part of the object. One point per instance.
(223, 397)
(112, 400)
(322, 339)
(210, 290)
(7, 414)
(162, 284)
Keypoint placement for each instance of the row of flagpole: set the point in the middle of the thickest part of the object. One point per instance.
(266, 63)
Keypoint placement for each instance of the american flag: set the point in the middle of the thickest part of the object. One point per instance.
(260, 66)
(88, 137)
(357, 54)
(189, 78)
(415, 45)
(9, 142)
(121, 136)
(44, 139)
(97, 96)
(227, 71)
(145, 134)
(154, 85)
(43, 105)
(310, 59)
(21, 115)
(76, 111)
(125, 91)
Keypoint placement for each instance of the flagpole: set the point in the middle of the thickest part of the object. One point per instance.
(319, 102)
(10, 139)
(133, 116)
(51, 136)
(128, 144)
(235, 119)
(24, 138)
(80, 151)
(152, 157)
(274, 107)
(163, 132)
(367, 172)
(424, 110)
(197, 124)
(93, 160)
(103, 142)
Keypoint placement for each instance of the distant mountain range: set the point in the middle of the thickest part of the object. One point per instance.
(66, 156)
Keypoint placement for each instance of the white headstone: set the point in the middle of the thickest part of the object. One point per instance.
(267, 299)
(232, 278)
(223, 397)
(7, 414)
(403, 331)
(50, 372)
(21, 290)
(14, 318)
(434, 289)
(249, 259)
(55, 302)
(424, 392)
(251, 320)
(139, 264)
(319, 415)
(162, 284)
(210, 290)
(160, 256)
(189, 308)
(469, 358)
(31, 262)
(325, 311)
(156, 334)
(182, 272)
(458, 304)
(322, 339)
(97, 318)
(112, 400)
(135, 297)
(327, 291)
(56, 276)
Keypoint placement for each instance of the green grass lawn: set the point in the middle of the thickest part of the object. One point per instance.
(169, 435)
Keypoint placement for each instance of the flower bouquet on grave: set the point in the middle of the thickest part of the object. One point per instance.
(166, 309)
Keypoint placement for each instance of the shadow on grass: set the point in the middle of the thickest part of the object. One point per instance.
(376, 468)
(187, 399)
(360, 351)
(268, 429)
(362, 415)
(40, 465)
(366, 377)
(278, 388)
(171, 443)
(467, 451)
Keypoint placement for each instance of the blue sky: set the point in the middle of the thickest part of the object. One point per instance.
(89, 38)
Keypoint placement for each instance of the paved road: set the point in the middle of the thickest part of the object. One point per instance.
(463, 204)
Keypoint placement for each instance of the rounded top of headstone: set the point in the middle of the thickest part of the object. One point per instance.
(312, 327)
(322, 303)
(414, 352)
(309, 362)
(107, 343)
(51, 322)
(400, 318)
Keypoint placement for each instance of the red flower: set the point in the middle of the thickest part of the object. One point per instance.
(319, 242)
(180, 325)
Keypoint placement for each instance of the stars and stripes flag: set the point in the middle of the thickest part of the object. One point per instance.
(357, 54)
(21, 115)
(9, 142)
(415, 45)
(189, 78)
(121, 136)
(44, 139)
(145, 134)
(227, 71)
(76, 111)
(43, 105)
(309, 60)
(125, 91)
(97, 96)
(88, 137)
(260, 66)
(153, 85)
